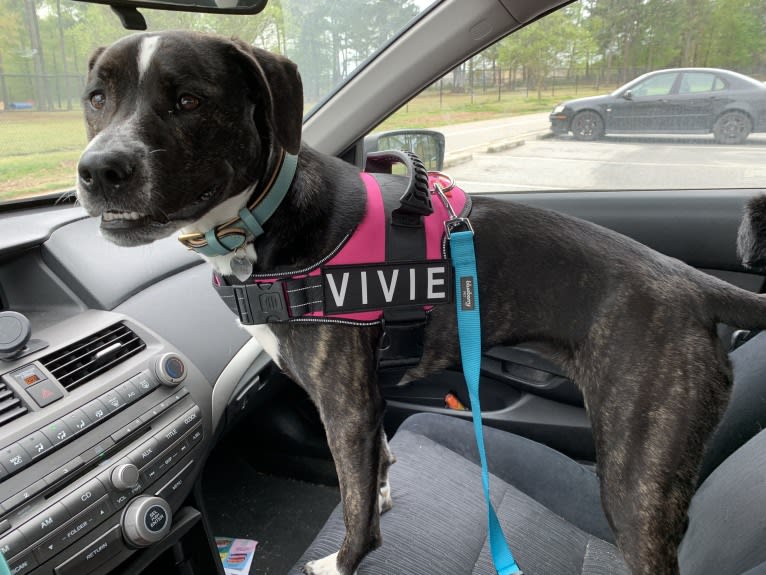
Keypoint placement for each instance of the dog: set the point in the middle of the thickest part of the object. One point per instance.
(185, 129)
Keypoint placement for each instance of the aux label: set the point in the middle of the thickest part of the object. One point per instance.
(368, 287)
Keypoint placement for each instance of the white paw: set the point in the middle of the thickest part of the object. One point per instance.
(325, 566)
(385, 502)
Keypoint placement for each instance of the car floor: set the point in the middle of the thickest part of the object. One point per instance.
(245, 498)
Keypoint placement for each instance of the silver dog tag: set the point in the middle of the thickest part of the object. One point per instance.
(241, 266)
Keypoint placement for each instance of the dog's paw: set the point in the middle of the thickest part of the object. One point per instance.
(385, 502)
(325, 566)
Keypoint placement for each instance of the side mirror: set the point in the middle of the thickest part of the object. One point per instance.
(628, 94)
(427, 144)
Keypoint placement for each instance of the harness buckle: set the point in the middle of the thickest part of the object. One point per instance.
(261, 303)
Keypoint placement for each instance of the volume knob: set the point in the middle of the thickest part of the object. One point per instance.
(146, 520)
(125, 476)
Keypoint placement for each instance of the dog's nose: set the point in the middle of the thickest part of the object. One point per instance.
(105, 170)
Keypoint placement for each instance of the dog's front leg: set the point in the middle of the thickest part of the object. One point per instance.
(336, 366)
(354, 433)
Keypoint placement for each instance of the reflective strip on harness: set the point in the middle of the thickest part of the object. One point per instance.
(355, 283)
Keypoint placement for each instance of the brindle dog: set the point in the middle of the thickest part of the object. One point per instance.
(185, 128)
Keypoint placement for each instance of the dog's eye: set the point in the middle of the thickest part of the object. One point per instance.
(98, 100)
(187, 102)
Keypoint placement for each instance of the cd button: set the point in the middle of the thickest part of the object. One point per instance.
(84, 496)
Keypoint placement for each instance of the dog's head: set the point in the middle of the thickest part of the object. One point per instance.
(179, 123)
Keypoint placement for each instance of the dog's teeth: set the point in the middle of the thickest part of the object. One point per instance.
(112, 215)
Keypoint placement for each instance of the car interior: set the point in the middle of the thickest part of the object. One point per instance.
(129, 394)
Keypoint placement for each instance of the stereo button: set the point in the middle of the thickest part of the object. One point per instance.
(12, 543)
(24, 495)
(92, 556)
(22, 564)
(145, 453)
(45, 523)
(64, 470)
(84, 496)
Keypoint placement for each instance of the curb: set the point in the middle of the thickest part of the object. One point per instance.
(466, 154)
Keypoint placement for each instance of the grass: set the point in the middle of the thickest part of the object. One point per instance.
(39, 150)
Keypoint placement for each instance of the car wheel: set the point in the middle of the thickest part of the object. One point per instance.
(587, 126)
(732, 128)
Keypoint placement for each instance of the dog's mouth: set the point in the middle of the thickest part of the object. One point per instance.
(134, 226)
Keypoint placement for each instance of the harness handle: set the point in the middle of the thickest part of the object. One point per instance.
(416, 200)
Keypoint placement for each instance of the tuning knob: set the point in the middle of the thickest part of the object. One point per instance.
(170, 369)
(125, 476)
(146, 520)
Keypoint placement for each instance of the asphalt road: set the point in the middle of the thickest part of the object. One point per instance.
(528, 159)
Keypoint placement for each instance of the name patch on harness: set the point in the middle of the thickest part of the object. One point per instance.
(369, 287)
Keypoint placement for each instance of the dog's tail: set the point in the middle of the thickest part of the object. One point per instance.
(751, 239)
(732, 305)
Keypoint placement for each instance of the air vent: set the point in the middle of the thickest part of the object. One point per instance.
(82, 361)
(10, 405)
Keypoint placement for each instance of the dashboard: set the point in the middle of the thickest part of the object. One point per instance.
(108, 414)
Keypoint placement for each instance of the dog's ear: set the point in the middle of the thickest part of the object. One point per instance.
(277, 80)
(93, 57)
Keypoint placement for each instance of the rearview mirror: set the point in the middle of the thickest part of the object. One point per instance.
(132, 19)
(427, 144)
(628, 95)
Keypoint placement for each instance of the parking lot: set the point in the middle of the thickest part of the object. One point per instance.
(617, 162)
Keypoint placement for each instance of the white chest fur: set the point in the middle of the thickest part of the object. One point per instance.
(267, 339)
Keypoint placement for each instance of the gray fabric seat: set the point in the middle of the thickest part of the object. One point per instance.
(549, 505)
(549, 508)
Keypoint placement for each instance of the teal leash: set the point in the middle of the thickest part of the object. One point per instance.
(469, 330)
(4, 570)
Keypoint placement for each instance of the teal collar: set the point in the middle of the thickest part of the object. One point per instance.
(228, 237)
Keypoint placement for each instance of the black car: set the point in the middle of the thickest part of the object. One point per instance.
(678, 101)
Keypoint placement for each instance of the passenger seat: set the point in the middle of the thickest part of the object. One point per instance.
(549, 505)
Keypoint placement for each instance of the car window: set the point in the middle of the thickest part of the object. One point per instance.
(659, 85)
(544, 109)
(696, 82)
(45, 46)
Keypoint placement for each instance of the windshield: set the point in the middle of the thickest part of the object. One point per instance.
(45, 46)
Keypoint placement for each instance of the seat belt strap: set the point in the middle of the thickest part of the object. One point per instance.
(469, 331)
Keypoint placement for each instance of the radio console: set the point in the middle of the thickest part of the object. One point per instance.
(90, 474)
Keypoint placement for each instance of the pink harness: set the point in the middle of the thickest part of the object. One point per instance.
(305, 291)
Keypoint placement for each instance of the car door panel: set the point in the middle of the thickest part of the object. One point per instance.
(524, 390)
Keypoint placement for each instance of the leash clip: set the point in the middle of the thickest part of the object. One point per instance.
(455, 223)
